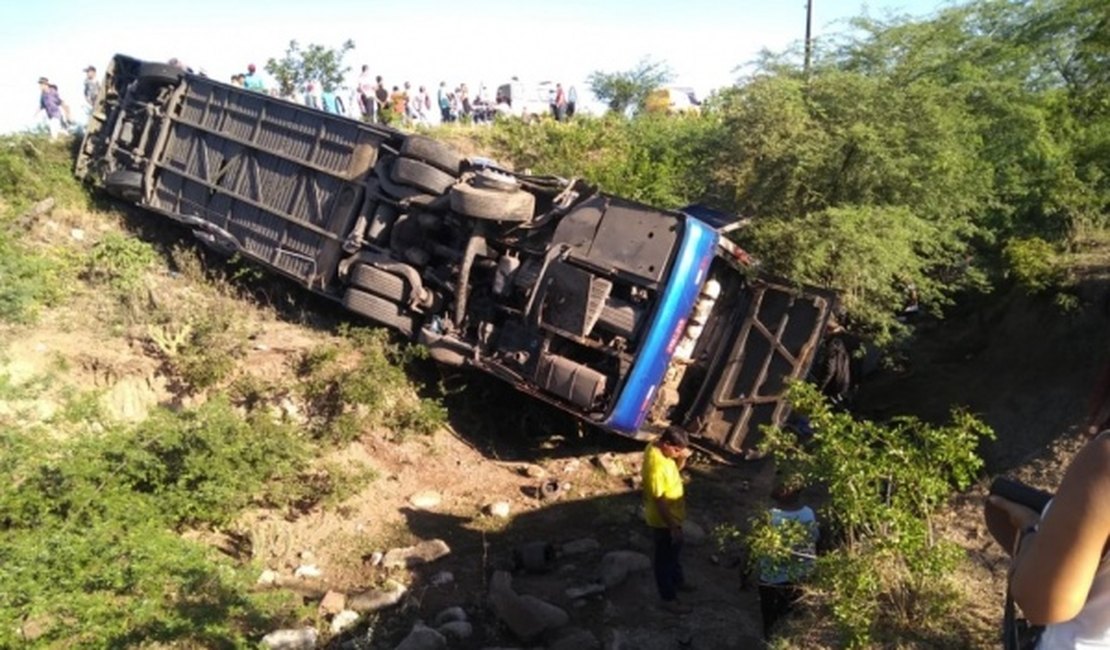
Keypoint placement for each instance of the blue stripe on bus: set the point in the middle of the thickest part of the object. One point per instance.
(699, 243)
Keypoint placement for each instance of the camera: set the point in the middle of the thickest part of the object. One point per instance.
(1018, 492)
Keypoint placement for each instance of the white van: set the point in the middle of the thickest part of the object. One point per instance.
(520, 99)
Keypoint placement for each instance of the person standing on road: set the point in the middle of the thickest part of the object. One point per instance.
(381, 100)
(572, 101)
(665, 510)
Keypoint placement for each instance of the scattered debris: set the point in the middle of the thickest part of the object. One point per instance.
(585, 591)
(610, 464)
(441, 578)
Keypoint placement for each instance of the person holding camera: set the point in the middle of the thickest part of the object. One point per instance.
(1060, 566)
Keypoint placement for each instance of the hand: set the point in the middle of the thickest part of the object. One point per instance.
(1006, 519)
(1020, 516)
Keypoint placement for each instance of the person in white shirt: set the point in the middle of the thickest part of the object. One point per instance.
(778, 582)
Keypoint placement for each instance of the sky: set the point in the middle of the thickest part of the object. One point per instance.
(423, 41)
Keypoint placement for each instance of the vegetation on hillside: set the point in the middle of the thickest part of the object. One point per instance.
(93, 509)
(907, 159)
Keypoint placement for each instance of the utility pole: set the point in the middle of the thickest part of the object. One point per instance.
(809, 27)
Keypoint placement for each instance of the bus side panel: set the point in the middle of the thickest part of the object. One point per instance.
(284, 181)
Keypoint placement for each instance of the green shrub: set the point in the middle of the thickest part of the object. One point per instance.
(1032, 263)
(201, 342)
(888, 572)
(361, 383)
(89, 555)
(33, 168)
(29, 280)
(120, 262)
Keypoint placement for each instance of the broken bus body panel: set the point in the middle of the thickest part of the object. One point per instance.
(630, 317)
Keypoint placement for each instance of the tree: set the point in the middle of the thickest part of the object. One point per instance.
(630, 88)
(318, 63)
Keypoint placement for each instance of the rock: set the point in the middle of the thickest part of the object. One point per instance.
(307, 557)
(343, 620)
(616, 565)
(333, 602)
(639, 541)
(423, 637)
(500, 509)
(410, 556)
(301, 639)
(375, 599)
(534, 557)
(576, 639)
(580, 546)
(376, 558)
(449, 615)
(572, 466)
(610, 464)
(267, 578)
(426, 500)
(442, 578)
(527, 616)
(533, 471)
(308, 571)
(456, 630)
(77, 234)
(585, 590)
(693, 534)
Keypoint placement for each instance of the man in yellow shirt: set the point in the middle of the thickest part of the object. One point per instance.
(665, 510)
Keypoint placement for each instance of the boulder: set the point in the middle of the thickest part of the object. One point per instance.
(333, 603)
(456, 630)
(449, 615)
(426, 500)
(423, 637)
(343, 620)
(299, 639)
(576, 639)
(375, 599)
(527, 616)
(580, 546)
(499, 509)
(693, 534)
(410, 556)
(616, 565)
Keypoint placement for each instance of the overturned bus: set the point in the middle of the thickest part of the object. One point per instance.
(629, 317)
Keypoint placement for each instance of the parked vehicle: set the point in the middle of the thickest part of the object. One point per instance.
(525, 100)
(628, 316)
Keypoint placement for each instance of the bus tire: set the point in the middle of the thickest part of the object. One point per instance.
(159, 74)
(432, 152)
(377, 281)
(421, 175)
(379, 310)
(493, 205)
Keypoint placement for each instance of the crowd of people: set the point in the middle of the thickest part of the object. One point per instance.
(54, 110)
(371, 99)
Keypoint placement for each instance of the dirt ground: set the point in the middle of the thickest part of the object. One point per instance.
(1019, 363)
